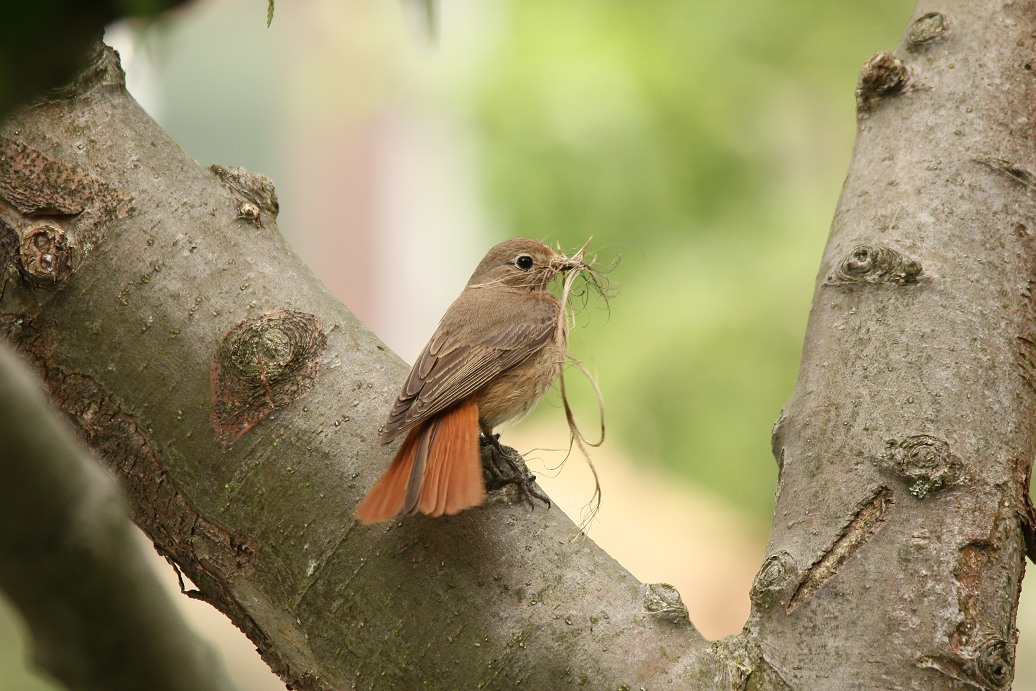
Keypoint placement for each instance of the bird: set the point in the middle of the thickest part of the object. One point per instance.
(498, 349)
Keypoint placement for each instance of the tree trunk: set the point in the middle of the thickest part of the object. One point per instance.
(897, 548)
(240, 404)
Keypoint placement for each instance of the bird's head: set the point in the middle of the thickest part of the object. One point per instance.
(522, 263)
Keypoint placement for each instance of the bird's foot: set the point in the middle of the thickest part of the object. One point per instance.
(492, 452)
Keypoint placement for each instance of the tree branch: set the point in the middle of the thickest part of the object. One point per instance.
(897, 548)
(69, 562)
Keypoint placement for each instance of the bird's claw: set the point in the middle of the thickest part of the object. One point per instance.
(520, 476)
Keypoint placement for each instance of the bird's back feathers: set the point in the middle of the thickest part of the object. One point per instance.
(471, 347)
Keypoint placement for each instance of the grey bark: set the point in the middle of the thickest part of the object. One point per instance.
(240, 405)
(69, 561)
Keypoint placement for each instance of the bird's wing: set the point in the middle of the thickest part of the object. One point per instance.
(473, 344)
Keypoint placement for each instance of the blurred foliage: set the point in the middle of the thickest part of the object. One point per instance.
(15, 673)
(707, 143)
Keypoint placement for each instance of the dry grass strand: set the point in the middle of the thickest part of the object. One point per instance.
(594, 280)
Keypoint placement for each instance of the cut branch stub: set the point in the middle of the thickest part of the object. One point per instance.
(263, 363)
(46, 253)
(665, 601)
(881, 77)
(925, 462)
(257, 192)
(876, 264)
(927, 29)
(772, 584)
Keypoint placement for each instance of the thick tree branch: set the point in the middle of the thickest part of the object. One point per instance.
(69, 561)
(897, 548)
(240, 404)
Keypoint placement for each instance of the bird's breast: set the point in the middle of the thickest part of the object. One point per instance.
(513, 394)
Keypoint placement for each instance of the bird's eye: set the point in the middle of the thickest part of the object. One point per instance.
(524, 262)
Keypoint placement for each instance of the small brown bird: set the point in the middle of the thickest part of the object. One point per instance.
(499, 347)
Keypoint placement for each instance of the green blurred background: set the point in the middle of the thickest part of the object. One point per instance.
(705, 142)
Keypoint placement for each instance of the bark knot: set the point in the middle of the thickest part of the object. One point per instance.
(994, 662)
(263, 363)
(45, 252)
(881, 77)
(991, 666)
(925, 462)
(257, 192)
(664, 600)
(777, 573)
(927, 29)
(875, 264)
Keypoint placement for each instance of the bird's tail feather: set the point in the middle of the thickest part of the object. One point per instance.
(385, 499)
(437, 470)
(453, 478)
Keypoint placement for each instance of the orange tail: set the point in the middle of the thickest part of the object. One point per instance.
(437, 470)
